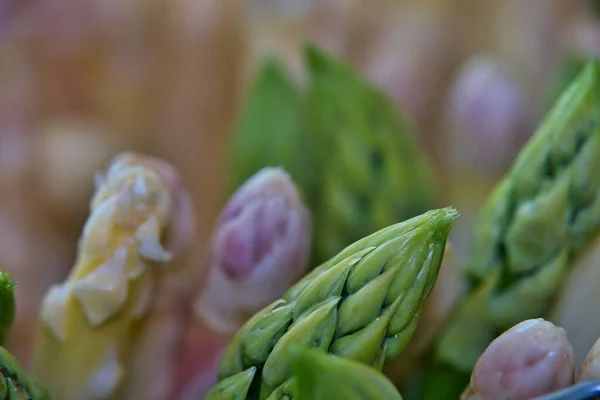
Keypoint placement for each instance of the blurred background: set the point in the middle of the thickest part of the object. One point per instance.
(82, 80)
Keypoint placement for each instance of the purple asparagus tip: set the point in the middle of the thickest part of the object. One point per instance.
(260, 248)
(265, 223)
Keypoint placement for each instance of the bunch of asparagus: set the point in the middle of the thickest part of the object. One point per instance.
(363, 304)
(530, 232)
(123, 325)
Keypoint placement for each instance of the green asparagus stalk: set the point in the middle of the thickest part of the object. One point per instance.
(320, 376)
(372, 172)
(14, 383)
(363, 304)
(7, 305)
(531, 228)
(272, 131)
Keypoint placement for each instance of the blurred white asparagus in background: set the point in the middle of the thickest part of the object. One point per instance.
(576, 306)
(91, 324)
(590, 368)
(531, 359)
(261, 246)
(489, 108)
(489, 118)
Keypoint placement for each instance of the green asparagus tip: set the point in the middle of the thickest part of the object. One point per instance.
(446, 217)
(6, 282)
(364, 304)
(15, 383)
(7, 304)
(235, 387)
(316, 58)
(441, 220)
(272, 65)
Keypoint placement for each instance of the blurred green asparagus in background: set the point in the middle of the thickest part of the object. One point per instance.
(7, 305)
(14, 383)
(529, 231)
(364, 304)
(272, 131)
(342, 140)
(372, 171)
(321, 376)
(570, 67)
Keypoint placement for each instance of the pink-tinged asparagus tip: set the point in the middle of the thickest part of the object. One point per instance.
(264, 221)
(531, 359)
(260, 248)
(489, 107)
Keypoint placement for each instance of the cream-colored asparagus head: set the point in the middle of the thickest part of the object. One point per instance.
(531, 359)
(90, 322)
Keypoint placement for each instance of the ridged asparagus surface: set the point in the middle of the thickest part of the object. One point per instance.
(364, 304)
(322, 376)
(372, 171)
(532, 226)
(14, 382)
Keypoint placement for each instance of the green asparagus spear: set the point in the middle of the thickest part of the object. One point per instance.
(532, 227)
(373, 174)
(571, 66)
(319, 376)
(271, 131)
(15, 384)
(364, 304)
(7, 305)
(233, 388)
